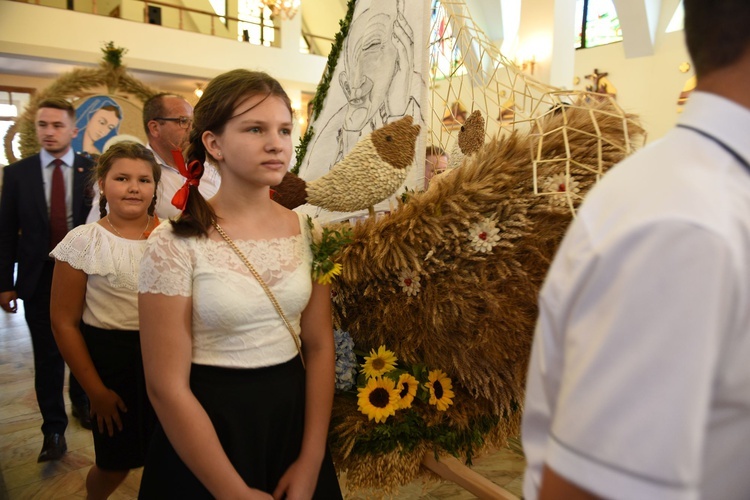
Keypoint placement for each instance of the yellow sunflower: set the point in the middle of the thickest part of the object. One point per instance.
(327, 278)
(378, 399)
(378, 363)
(407, 387)
(440, 390)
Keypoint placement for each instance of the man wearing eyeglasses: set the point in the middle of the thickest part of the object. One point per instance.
(167, 119)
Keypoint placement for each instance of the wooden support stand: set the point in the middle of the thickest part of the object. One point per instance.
(450, 468)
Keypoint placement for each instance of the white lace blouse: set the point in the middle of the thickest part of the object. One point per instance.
(234, 322)
(111, 264)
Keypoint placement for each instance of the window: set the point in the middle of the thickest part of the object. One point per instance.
(220, 7)
(13, 100)
(597, 23)
(255, 24)
(446, 59)
(677, 22)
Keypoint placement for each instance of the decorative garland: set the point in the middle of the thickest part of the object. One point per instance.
(449, 280)
(325, 83)
(110, 73)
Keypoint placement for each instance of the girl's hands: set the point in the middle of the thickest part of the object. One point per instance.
(106, 407)
(298, 482)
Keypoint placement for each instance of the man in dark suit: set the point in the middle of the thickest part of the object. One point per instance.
(43, 196)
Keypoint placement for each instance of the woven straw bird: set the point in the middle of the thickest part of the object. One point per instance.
(371, 172)
(470, 139)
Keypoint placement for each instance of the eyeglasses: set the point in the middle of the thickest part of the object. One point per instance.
(184, 121)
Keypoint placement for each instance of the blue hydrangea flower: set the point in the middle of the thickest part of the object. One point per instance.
(346, 361)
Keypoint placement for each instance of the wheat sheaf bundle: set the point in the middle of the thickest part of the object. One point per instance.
(473, 313)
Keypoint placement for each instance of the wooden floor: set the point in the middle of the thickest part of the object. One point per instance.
(21, 477)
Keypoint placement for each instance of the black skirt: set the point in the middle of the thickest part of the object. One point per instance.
(117, 358)
(258, 415)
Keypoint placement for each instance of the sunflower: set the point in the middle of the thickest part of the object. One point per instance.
(407, 387)
(325, 278)
(378, 363)
(440, 390)
(378, 399)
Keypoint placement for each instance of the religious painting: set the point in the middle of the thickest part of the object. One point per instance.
(100, 118)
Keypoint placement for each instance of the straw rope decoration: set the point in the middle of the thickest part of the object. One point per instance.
(80, 82)
(480, 240)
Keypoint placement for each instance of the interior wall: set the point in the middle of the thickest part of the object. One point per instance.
(646, 86)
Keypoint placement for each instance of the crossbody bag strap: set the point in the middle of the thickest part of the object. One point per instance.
(263, 285)
(726, 147)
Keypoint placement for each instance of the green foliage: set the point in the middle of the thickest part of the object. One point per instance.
(407, 429)
(325, 250)
(325, 83)
(113, 55)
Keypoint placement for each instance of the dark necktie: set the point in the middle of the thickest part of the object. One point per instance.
(58, 213)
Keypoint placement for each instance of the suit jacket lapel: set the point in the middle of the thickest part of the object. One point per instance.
(80, 178)
(36, 184)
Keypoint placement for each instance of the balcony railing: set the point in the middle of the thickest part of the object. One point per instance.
(168, 15)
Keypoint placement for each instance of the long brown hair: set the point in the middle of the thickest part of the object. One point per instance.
(214, 109)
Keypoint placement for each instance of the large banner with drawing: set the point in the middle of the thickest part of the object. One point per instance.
(380, 76)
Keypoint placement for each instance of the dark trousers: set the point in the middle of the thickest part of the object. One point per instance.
(49, 366)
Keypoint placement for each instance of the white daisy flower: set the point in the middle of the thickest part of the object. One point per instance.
(409, 283)
(558, 185)
(484, 235)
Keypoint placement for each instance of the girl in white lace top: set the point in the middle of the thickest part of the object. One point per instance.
(239, 415)
(95, 316)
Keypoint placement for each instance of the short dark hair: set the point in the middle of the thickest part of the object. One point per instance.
(154, 108)
(59, 103)
(717, 32)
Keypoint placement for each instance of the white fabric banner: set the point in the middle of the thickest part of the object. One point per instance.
(381, 76)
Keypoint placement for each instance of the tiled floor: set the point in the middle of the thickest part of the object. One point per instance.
(21, 477)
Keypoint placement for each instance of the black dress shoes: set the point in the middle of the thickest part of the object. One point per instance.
(54, 447)
(83, 413)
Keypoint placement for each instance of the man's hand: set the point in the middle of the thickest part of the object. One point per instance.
(8, 301)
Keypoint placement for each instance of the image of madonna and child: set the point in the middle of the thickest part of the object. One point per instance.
(239, 363)
(97, 120)
(94, 312)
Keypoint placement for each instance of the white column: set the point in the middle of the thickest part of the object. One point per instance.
(291, 30)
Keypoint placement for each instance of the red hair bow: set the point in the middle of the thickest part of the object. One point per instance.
(192, 173)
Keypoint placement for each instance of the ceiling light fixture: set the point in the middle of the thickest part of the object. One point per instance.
(285, 8)
(198, 90)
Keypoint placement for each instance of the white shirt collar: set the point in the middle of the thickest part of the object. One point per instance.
(720, 117)
(46, 158)
(160, 160)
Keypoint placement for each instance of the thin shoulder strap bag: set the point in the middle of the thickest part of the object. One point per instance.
(263, 285)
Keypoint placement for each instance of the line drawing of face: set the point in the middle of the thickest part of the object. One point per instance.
(369, 64)
(101, 123)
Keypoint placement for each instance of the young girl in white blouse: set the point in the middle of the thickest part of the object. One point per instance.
(94, 311)
(240, 416)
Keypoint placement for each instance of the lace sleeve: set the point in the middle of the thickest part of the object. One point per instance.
(167, 264)
(91, 249)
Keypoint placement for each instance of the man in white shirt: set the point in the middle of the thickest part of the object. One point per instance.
(639, 380)
(167, 119)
